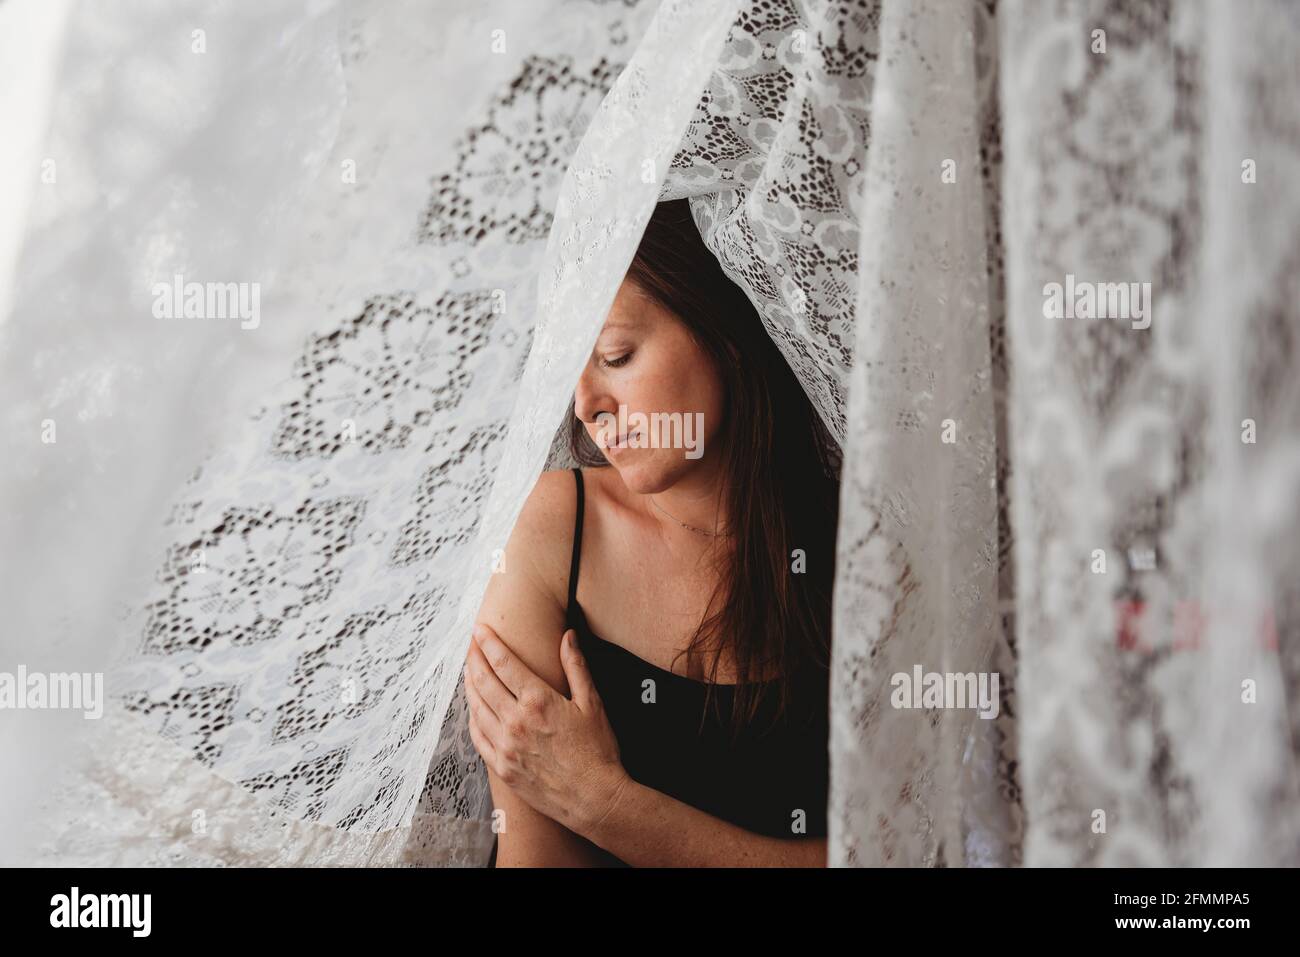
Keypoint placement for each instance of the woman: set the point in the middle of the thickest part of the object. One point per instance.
(687, 723)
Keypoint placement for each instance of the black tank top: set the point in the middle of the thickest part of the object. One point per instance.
(773, 780)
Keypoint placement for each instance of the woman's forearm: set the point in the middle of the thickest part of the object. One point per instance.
(647, 828)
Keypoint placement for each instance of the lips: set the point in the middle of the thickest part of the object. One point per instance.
(622, 442)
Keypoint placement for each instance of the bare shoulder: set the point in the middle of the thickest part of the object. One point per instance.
(543, 534)
(552, 502)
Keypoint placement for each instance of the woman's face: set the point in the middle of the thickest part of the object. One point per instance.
(650, 397)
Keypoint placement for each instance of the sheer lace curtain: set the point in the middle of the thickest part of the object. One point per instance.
(275, 538)
(1154, 471)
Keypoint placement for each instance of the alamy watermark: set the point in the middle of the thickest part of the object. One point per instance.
(1098, 300)
(57, 690)
(179, 299)
(75, 909)
(656, 430)
(946, 689)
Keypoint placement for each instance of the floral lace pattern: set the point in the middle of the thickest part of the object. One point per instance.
(1153, 546)
(298, 651)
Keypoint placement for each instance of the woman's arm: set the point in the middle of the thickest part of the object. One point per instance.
(522, 604)
(647, 828)
(553, 750)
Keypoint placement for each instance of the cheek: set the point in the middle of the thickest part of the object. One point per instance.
(702, 391)
(676, 376)
(660, 386)
(695, 389)
(690, 383)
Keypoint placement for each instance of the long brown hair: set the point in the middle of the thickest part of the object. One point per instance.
(781, 476)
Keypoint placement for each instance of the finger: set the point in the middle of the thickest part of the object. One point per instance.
(582, 688)
(472, 697)
(488, 724)
(514, 675)
(482, 744)
(495, 696)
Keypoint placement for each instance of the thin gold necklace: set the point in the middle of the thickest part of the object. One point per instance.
(702, 531)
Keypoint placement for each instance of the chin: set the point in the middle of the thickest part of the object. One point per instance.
(649, 474)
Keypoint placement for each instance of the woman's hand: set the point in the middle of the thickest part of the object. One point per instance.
(558, 754)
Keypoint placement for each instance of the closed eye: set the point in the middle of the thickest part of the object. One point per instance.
(617, 361)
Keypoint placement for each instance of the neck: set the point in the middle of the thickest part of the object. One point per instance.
(697, 500)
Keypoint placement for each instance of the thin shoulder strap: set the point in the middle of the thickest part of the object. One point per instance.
(577, 547)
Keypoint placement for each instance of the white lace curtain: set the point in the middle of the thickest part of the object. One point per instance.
(275, 538)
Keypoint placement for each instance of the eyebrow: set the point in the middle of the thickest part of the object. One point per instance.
(619, 324)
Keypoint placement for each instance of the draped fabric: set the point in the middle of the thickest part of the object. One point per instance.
(917, 575)
(1154, 474)
(274, 539)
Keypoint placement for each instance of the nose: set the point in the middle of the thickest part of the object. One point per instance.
(592, 396)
